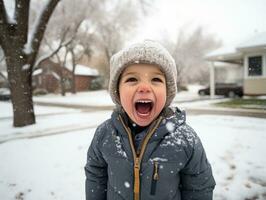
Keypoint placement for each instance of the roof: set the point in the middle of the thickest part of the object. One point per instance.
(225, 54)
(83, 70)
(256, 41)
(235, 54)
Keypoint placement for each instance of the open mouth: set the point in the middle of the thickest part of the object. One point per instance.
(143, 107)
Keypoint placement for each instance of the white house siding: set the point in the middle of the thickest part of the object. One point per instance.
(255, 86)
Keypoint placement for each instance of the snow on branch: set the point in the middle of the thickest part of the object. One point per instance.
(3, 14)
(37, 32)
(7, 9)
(61, 44)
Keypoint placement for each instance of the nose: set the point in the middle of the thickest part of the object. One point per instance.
(144, 88)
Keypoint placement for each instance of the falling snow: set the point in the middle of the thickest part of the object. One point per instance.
(127, 185)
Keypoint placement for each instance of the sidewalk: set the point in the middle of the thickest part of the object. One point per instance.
(208, 107)
(227, 111)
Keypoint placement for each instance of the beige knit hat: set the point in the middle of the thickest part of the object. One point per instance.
(147, 52)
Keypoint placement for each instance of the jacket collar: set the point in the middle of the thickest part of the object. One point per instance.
(172, 118)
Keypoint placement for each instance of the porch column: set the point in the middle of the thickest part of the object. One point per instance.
(212, 80)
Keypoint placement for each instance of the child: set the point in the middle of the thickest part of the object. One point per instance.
(146, 151)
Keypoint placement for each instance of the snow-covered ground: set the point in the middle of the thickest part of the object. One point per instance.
(51, 167)
(96, 98)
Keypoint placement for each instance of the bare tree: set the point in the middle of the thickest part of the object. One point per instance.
(188, 51)
(61, 60)
(70, 31)
(20, 47)
(114, 28)
(67, 41)
(104, 28)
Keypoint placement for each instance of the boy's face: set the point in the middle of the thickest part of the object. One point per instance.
(142, 90)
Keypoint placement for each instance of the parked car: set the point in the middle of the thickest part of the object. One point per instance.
(226, 89)
(5, 94)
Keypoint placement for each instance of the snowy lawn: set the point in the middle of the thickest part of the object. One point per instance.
(49, 120)
(95, 98)
(51, 167)
(6, 110)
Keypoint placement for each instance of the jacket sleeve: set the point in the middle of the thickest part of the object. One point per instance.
(96, 171)
(197, 182)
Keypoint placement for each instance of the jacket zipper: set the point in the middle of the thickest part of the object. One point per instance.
(138, 157)
(155, 177)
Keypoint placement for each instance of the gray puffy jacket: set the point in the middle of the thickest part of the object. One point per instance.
(171, 164)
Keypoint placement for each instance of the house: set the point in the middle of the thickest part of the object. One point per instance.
(48, 77)
(250, 56)
(83, 76)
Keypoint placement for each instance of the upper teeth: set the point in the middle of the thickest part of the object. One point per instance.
(143, 101)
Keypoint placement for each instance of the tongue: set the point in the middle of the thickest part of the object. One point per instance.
(143, 108)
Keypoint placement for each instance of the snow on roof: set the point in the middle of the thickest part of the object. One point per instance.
(83, 70)
(259, 39)
(224, 53)
(256, 42)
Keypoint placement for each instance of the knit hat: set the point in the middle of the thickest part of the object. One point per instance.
(147, 52)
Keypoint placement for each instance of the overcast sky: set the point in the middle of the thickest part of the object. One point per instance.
(232, 21)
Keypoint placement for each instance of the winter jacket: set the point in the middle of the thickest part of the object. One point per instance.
(171, 163)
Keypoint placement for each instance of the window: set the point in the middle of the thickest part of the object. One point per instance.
(255, 66)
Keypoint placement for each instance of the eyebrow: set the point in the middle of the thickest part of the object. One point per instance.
(134, 73)
(159, 73)
(128, 73)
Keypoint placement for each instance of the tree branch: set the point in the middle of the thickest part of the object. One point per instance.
(22, 18)
(40, 28)
(44, 57)
(62, 43)
(3, 23)
(3, 14)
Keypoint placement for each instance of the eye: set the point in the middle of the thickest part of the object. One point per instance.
(131, 79)
(156, 79)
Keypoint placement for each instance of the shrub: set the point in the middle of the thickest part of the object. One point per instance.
(39, 91)
(97, 83)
